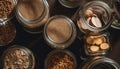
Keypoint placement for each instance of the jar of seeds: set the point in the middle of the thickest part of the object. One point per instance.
(100, 63)
(60, 59)
(97, 44)
(94, 18)
(18, 57)
(32, 14)
(59, 32)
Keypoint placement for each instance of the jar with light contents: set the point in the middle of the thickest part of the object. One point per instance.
(32, 15)
(94, 18)
(97, 44)
(100, 62)
(59, 32)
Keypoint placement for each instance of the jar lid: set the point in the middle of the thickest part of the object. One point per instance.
(18, 57)
(58, 58)
(59, 30)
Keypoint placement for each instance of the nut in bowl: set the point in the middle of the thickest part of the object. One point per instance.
(97, 44)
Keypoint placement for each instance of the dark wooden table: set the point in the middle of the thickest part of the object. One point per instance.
(36, 43)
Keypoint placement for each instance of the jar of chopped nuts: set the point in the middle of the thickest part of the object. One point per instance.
(94, 18)
(60, 59)
(18, 57)
(100, 62)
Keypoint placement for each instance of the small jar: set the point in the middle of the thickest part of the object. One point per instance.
(60, 59)
(94, 18)
(97, 44)
(32, 14)
(18, 57)
(70, 3)
(7, 32)
(59, 32)
(100, 63)
(116, 17)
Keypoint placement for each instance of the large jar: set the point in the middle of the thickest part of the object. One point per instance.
(59, 32)
(94, 18)
(100, 62)
(32, 14)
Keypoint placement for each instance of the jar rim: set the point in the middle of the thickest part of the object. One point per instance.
(26, 51)
(101, 4)
(66, 43)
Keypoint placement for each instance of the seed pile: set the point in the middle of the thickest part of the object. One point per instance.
(6, 8)
(60, 61)
(16, 59)
(97, 43)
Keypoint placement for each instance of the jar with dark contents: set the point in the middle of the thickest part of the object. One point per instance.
(97, 44)
(116, 16)
(7, 32)
(18, 57)
(60, 59)
(59, 32)
(70, 3)
(94, 18)
(100, 63)
(32, 15)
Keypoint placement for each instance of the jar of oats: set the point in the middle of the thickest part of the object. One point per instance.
(59, 32)
(100, 62)
(18, 57)
(94, 18)
(60, 59)
(32, 14)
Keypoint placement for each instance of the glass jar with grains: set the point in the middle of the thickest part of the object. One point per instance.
(32, 14)
(7, 29)
(59, 32)
(18, 57)
(60, 59)
(100, 63)
(94, 18)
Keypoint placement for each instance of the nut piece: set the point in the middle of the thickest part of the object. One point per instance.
(104, 46)
(94, 48)
(96, 22)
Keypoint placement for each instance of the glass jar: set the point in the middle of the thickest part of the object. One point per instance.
(70, 3)
(57, 60)
(32, 14)
(97, 44)
(7, 32)
(100, 63)
(59, 32)
(116, 17)
(94, 18)
(18, 57)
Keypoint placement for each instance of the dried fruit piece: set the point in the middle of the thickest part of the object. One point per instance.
(89, 40)
(96, 22)
(94, 48)
(104, 46)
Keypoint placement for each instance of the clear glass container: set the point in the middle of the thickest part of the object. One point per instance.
(59, 32)
(116, 14)
(97, 44)
(100, 62)
(70, 3)
(32, 14)
(60, 59)
(7, 32)
(18, 57)
(94, 18)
